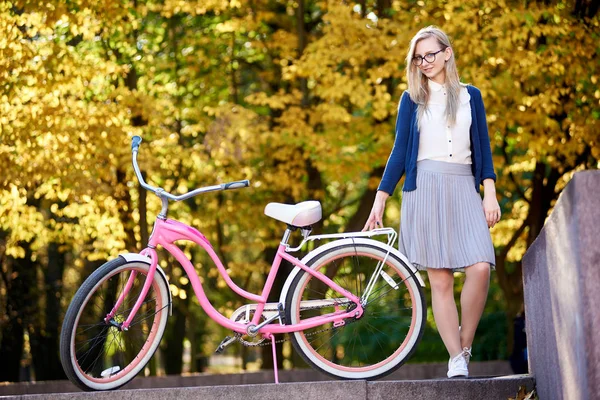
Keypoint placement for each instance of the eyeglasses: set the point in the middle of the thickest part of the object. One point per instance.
(429, 57)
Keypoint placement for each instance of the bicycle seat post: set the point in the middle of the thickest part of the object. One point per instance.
(286, 235)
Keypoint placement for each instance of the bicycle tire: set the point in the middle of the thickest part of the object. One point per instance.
(116, 356)
(378, 342)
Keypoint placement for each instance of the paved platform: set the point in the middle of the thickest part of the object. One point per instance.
(474, 388)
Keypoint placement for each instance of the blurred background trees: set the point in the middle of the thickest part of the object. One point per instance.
(298, 96)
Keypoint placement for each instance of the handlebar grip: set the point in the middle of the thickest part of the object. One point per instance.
(135, 143)
(236, 185)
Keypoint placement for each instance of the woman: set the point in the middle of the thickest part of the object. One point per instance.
(442, 145)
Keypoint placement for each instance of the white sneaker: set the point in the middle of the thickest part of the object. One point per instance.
(467, 354)
(457, 367)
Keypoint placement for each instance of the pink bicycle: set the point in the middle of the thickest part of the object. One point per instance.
(354, 307)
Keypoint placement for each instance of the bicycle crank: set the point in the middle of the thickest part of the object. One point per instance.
(224, 343)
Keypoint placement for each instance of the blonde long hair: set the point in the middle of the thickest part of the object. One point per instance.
(417, 82)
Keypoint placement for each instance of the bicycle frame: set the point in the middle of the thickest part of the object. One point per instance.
(166, 232)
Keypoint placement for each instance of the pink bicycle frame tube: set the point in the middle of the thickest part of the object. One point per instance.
(122, 296)
(166, 232)
(143, 293)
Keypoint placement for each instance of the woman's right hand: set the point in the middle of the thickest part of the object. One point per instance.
(374, 220)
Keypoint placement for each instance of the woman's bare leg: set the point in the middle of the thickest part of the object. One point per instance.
(472, 300)
(444, 308)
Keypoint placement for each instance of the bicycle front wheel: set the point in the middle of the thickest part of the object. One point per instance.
(387, 333)
(96, 353)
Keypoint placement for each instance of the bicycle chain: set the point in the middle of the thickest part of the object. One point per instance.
(261, 344)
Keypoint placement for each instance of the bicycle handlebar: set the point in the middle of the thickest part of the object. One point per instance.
(135, 144)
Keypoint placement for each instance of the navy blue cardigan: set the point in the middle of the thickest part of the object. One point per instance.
(406, 146)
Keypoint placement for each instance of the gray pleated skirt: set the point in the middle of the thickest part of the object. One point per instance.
(442, 222)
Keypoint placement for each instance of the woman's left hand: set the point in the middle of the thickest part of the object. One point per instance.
(491, 209)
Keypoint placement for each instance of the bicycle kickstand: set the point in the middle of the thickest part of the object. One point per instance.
(272, 338)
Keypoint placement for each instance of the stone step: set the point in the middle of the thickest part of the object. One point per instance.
(411, 371)
(473, 388)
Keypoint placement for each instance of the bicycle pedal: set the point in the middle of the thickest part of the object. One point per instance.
(224, 343)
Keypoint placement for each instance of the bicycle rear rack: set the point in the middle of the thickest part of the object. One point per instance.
(389, 232)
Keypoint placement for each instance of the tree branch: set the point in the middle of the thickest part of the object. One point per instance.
(357, 221)
(513, 239)
(510, 174)
(339, 205)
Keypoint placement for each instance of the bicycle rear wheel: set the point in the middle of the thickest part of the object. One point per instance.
(378, 342)
(98, 355)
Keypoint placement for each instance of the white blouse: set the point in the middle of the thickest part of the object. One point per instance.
(438, 141)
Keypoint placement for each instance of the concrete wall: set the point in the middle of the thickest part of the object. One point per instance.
(561, 276)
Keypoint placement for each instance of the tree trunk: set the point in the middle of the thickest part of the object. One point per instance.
(20, 303)
(543, 184)
(11, 346)
(363, 8)
(382, 7)
(176, 330)
(143, 209)
(124, 205)
(44, 332)
(512, 288)
(174, 335)
(586, 9)
(302, 42)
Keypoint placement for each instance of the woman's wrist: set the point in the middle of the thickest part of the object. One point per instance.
(381, 195)
(489, 187)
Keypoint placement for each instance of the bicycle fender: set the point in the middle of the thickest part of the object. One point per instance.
(132, 257)
(319, 250)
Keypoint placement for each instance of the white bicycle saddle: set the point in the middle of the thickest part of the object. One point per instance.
(301, 214)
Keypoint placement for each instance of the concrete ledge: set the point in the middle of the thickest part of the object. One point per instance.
(449, 389)
(341, 390)
(486, 388)
(407, 372)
